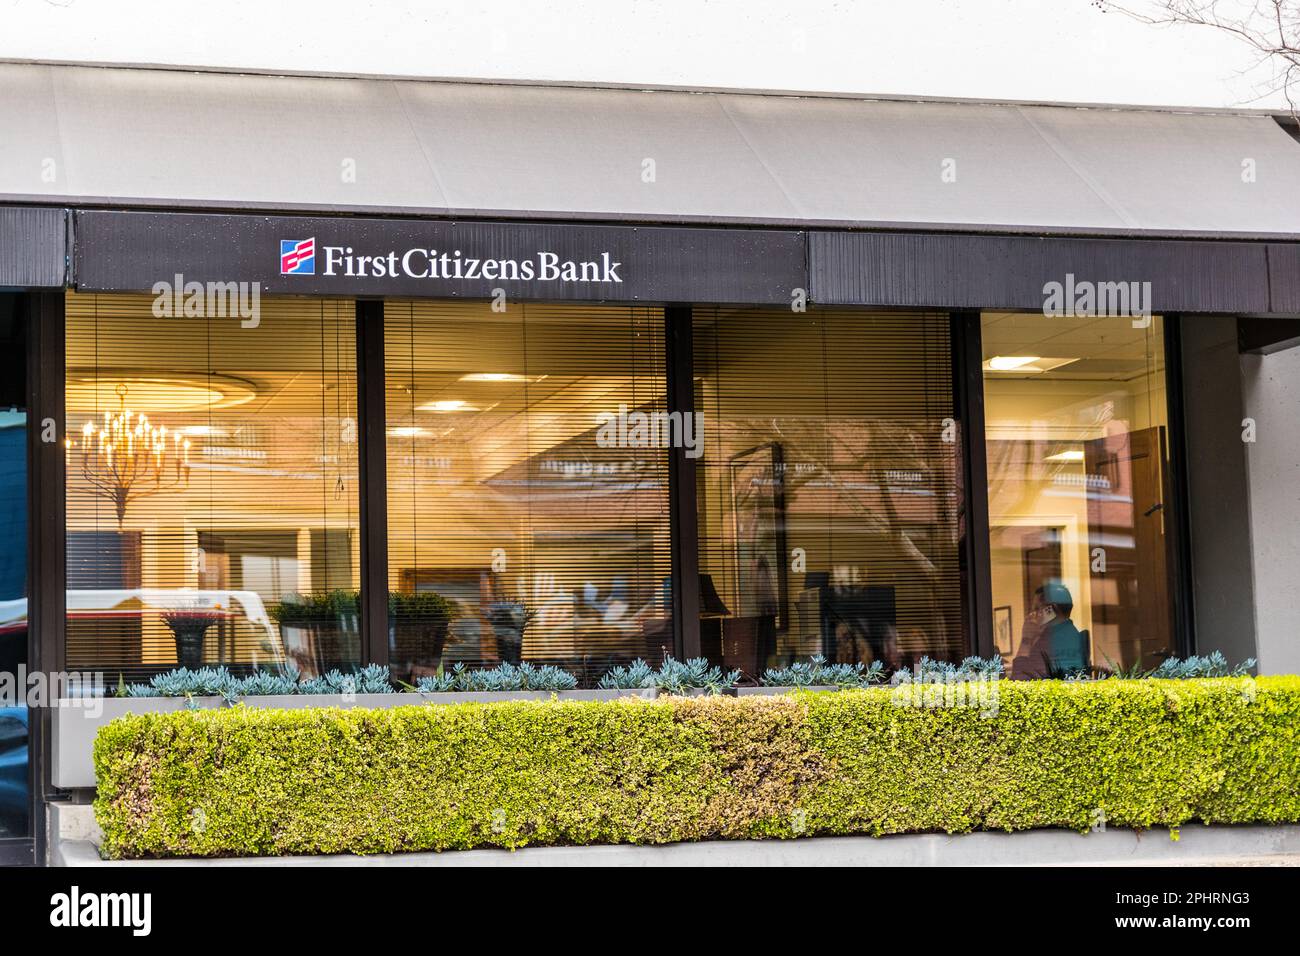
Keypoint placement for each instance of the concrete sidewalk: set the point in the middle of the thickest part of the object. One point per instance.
(1197, 845)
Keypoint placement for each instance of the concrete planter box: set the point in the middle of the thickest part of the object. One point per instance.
(694, 692)
(779, 691)
(77, 721)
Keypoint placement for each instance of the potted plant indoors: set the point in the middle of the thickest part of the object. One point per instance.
(189, 626)
(418, 625)
(509, 620)
(319, 630)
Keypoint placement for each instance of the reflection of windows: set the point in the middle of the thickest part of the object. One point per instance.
(15, 797)
(1077, 469)
(550, 534)
(261, 508)
(826, 493)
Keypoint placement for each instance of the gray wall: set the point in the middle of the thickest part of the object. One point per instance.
(1218, 488)
(1271, 385)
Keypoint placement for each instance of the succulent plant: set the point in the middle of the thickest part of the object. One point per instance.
(928, 671)
(371, 679)
(638, 674)
(678, 677)
(815, 672)
(268, 683)
(503, 677)
(443, 682)
(1213, 664)
(183, 682)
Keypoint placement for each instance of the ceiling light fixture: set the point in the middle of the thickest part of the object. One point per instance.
(126, 456)
(1074, 454)
(445, 405)
(1010, 363)
(1025, 364)
(494, 377)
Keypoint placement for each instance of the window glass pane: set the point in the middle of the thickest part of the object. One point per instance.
(1075, 421)
(15, 798)
(514, 495)
(827, 493)
(231, 538)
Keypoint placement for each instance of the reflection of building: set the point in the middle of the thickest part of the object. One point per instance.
(896, 446)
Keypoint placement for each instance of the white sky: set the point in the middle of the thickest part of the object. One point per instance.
(998, 49)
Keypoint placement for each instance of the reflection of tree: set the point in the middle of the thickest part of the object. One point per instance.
(857, 468)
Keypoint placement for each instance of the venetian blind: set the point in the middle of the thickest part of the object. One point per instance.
(259, 511)
(827, 491)
(512, 489)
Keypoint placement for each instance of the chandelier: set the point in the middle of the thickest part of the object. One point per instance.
(127, 457)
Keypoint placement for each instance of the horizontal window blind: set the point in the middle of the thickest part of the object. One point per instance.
(230, 537)
(827, 491)
(513, 492)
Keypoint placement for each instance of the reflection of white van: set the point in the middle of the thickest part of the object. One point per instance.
(242, 607)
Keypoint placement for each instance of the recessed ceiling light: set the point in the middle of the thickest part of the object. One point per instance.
(407, 431)
(494, 377)
(1025, 364)
(1009, 363)
(1074, 454)
(444, 405)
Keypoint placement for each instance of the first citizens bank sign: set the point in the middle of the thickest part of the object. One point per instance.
(124, 251)
(298, 257)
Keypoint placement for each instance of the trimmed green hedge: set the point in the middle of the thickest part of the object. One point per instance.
(433, 777)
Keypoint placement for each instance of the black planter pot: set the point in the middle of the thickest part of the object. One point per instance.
(415, 647)
(510, 643)
(189, 642)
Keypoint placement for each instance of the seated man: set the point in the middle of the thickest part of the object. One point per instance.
(1050, 644)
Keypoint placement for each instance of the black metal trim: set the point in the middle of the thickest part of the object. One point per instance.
(968, 410)
(1180, 537)
(683, 517)
(47, 527)
(373, 468)
(981, 271)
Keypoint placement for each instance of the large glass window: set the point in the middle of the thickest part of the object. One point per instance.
(527, 512)
(212, 487)
(827, 495)
(1075, 420)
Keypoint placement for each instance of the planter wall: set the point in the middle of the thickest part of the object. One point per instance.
(77, 721)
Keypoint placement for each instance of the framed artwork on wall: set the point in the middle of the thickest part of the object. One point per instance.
(1003, 629)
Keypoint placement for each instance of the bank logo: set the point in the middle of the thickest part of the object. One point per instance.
(298, 257)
